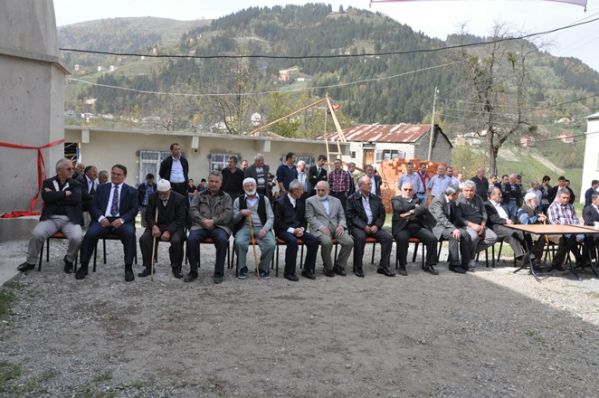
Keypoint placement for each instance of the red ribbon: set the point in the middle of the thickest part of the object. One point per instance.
(41, 175)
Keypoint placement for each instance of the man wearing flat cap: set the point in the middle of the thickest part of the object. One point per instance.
(168, 226)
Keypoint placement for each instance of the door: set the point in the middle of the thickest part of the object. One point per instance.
(368, 157)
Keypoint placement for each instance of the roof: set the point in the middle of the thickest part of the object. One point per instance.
(594, 116)
(396, 133)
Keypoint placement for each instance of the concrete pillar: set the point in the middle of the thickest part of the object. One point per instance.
(590, 170)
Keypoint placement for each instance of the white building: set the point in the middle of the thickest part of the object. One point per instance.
(590, 168)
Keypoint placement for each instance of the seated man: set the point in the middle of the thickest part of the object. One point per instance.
(326, 219)
(590, 215)
(412, 220)
(497, 219)
(366, 215)
(211, 217)
(290, 225)
(530, 213)
(446, 212)
(562, 212)
(113, 210)
(61, 212)
(253, 210)
(170, 208)
(474, 216)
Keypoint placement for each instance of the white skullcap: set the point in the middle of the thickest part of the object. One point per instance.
(249, 179)
(164, 185)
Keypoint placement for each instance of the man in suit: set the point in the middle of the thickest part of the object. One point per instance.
(326, 219)
(590, 215)
(61, 212)
(233, 179)
(257, 207)
(259, 172)
(588, 195)
(316, 173)
(113, 210)
(170, 227)
(413, 220)
(290, 225)
(175, 169)
(366, 215)
(211, 217)
(89, 184)
(446, 212)
(376, 180)
(144, 191)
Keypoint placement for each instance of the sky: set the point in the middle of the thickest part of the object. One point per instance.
(433, 18)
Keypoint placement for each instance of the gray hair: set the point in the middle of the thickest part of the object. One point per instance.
(295, 184)
(563, 191)
(61, 163)
(530, 196)
(103, 173)
(469, 184)
(595, 195)
(259, 156)
(216, 173)
(450, 190)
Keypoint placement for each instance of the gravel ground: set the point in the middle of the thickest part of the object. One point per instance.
(487, 334)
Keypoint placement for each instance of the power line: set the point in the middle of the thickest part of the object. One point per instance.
(372, 54)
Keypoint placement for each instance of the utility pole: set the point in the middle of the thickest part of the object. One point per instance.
(430, 143)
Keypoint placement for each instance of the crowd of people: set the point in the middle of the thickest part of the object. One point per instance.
(308, 206)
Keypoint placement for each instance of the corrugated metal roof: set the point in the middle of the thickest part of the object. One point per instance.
(398, 133)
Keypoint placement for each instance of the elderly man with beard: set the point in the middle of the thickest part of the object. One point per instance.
(170, 227)
(253, 210)
(326, 219)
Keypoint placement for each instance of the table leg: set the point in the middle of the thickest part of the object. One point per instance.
(529, 265)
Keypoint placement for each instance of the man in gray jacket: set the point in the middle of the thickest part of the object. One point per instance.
(326, 219)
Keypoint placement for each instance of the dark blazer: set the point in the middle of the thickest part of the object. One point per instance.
(141, 192)
(553, 193)
(172, 217)
(588, 196)
(251, 172)
(377, 181)
(493, 217)
(401, 205)
(590, 215)
(57, 201)
(167, 164)
(314, 178)
(286, 216)
(356, 214)
(127, 204)
(86, 194)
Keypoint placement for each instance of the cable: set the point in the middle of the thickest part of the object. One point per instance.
(405, 52)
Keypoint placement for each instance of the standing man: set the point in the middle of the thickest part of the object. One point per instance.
(286, 173)
(482, 184)
(302, 177)
(290, 225)
(175, 169)
(233, 179)
(89, 183)
(340, 182)
(437, 184)
(257, 207)
(259, 172)
(561, 185)
(317, 173)
(366, 215)
(211, 217)
(413, 220)
(588, 195)
(144, 191)
(513, 191)
(172, 214)
(102, 177)
(453, 179)
(355, 175)
(113, 210)
(421, 195)
(449, 227)
(376, 179)
(326, 219)
(413, 178)
(244, 165)
(61, 212)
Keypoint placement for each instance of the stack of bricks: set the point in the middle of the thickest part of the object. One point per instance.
(391, 170)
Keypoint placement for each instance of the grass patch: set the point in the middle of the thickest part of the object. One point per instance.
(9, 371)
(104, 376)
(13, 284)
(6, 300)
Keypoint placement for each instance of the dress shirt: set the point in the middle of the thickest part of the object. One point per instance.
(339, 181)
(325, 204)
(177, 175)
(414, 178)
(562, 214)
(500, 210)
(91, 184)
(301, 177)
(107, 212)
(438, 184)
(367, 209)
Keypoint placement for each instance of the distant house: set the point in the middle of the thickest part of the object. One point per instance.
(288, 75)
(590, 168)
(373, 143)
(527, 141)
(567, 137)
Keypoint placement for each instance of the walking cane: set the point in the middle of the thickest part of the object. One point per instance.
(154, 247)
(253, 244)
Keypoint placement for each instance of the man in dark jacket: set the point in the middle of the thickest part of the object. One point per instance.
(482, 184)
(259, 172)
(175, 169)
(366, 215)
(316, 173)
(588, 194)
(233, 179)
(170, 227)
(144, 191)
(61, 212)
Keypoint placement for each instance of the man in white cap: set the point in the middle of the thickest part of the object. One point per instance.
(257, 207)
(172, 213)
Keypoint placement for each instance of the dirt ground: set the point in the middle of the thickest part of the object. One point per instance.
(486, 334)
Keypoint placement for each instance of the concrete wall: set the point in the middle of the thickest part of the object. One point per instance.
(590, 169)
(32, 101)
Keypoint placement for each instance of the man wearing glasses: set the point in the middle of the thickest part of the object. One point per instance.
(412, 220)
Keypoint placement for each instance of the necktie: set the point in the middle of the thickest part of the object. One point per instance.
(114, 206)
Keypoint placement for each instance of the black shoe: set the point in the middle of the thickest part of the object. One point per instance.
(430, 269)
(81, 272)
(402, 271)
(291, 277)
(339, 270)
(25, 267)
(359, 272)
(329, 273)
(129, 276)
(457, 268)
(243, 273)
(68, 266)
(190, 277)
(308, 274)
(556, 268)
(177, 272)
(385, 271)
(146, 272)
(217, 279)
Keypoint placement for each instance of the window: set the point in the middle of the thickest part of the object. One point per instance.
(389, 154)
(149, 162)
(306, 158)
(219, 161)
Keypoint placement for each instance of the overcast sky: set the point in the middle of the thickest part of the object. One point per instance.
(434, 18)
